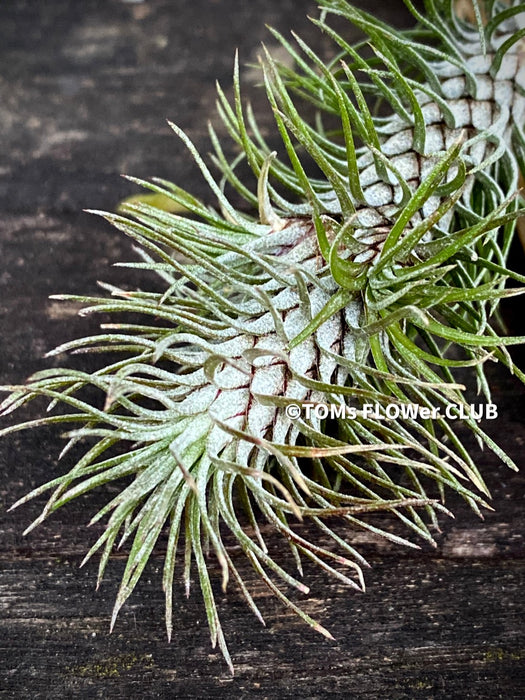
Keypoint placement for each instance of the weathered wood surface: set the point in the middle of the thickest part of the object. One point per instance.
(84, 92)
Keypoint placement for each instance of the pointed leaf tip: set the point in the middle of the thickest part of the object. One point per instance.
(322, 630)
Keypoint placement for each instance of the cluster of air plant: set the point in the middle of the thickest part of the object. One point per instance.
(374, 281)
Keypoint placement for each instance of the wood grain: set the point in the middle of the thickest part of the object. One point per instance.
(85, 89)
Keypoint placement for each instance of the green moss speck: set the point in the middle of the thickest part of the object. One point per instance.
(112, 667)
(499, 654)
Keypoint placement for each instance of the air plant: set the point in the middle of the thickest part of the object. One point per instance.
(368, 273)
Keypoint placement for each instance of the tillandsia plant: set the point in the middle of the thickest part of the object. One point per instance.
(368, 274)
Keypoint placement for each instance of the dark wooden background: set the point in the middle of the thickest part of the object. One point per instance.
(85, 88)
